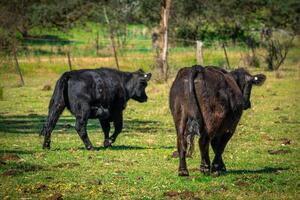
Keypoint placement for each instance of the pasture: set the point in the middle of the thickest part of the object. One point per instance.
(262, 158)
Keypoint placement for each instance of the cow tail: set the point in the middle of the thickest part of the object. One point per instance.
(194, 113)
(58, 102)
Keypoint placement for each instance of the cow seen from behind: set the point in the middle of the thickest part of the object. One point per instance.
(209, 102)
(95, 93)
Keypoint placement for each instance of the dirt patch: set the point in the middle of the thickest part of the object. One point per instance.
(266, 137)
(40, 187)
(280, 151)
(182, 195)
(22, 168)
(175, 154)
(285, 141)
(276, 108)
(12, 172)
(56, 196)
(241, 183)
(10, 157)
(67, 165)
(96, 182)
(107, 192)
(46, 87)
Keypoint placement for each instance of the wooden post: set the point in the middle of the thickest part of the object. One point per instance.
(18, 67)
(97, 43)
(199, 52)
(163, 44)
(112, 38)
(69, 60)
(225, 53)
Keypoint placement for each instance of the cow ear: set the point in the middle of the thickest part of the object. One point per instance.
(147, 76)
(140, 71)
(259, 79)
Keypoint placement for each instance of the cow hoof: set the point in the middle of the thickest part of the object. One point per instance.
(218, 168)
(90, 148)
(107, 143)
(46, 146)
(205, 170)
(216, 173)
(183, 172)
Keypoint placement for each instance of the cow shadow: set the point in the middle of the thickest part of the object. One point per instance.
(265, 170)
(116, 148)
(32, 124)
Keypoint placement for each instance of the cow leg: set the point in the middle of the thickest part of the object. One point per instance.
(182, 146)
(118, 124)
(106, 128)
(80, 126)
(218, 144)
(204, 151)
(55, 111)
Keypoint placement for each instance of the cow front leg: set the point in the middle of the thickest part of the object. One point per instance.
(118, 124)
(204, 151)
(105, 124)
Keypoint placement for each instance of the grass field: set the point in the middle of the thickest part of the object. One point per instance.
(263, 157)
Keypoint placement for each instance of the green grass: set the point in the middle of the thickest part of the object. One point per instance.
(139, 165)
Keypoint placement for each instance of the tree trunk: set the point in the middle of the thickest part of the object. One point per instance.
(69, 60)
(226, 56)
(18, 67)
(112, 38)
(163, 43)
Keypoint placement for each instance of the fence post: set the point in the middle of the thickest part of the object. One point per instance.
(18, 67)
(69, 60)
(199, 52)
(225, 53)
(97, 43)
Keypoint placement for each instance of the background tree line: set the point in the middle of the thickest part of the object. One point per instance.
(206, 20)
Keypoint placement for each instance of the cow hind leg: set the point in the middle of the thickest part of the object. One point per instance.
(81, 124)
(218, 145)
(106, 128)
(54, 112)
(182, 146)
(204, 151)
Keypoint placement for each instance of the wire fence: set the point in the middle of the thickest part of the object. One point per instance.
(62, 55)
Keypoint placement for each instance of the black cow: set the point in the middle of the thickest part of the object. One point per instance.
(209, 101)
(95, 93)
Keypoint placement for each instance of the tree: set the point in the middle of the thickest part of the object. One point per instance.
(163, 44)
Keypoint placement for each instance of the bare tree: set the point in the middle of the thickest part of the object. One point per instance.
(163, 44)
(277, 52)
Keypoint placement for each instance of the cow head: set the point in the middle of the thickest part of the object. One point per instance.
(245, 81)
(138, 84)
